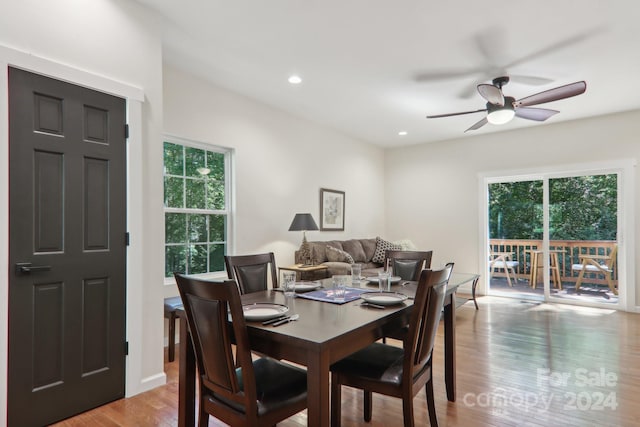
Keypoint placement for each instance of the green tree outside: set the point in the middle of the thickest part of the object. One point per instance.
(580, 208)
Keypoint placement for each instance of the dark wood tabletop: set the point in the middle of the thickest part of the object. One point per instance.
(324, 333)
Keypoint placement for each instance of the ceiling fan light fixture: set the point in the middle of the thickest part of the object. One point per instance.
(501, 116)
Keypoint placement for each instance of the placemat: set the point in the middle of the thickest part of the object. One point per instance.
(326, 295)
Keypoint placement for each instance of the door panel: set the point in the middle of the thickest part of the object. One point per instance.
(96, 213)
(48, 335)
(67, 224)
(49, 204)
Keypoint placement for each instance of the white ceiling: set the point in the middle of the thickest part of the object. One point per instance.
(372, 68)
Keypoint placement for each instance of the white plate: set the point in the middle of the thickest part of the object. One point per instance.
(384, 298)
(263, 311)
(307, 286)
(394, 279)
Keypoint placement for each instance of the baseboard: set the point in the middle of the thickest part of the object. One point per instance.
(150, 383)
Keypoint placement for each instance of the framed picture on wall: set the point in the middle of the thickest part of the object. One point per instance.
(331, 210)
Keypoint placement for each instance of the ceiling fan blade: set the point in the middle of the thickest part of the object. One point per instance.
(562, 92)
(558, 46)
(438, 75)
(491, 93)
(437, 116)
(478, 125)
(530, 80)
(537, 114)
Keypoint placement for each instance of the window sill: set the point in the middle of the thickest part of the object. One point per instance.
(219, 275)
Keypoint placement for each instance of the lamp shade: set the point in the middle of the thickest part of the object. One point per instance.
(303, 222)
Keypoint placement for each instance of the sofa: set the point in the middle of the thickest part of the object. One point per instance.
(338, 255)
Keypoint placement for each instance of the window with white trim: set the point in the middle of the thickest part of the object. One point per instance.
(196, 207)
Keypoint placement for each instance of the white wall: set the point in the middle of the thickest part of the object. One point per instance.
(281, 163)
(445, 215)
(113, 46)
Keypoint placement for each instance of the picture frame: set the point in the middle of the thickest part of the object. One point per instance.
(331, 210)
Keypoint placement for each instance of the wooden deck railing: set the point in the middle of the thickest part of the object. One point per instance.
(570, 254)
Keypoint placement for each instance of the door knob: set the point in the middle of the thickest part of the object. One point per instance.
(28, 268)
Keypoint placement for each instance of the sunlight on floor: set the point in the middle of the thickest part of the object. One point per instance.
(548, 307)
(587, 311)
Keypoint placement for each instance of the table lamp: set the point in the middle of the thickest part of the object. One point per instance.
(303, 222)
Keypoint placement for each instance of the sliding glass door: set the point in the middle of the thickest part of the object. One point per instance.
(583, 236)
(555, 236)
(516, 225)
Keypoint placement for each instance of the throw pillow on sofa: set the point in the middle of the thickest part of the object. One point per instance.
(381, 247)
(338, 255)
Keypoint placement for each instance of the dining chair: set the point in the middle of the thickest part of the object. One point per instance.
(251, 272)
(238, 391)
(599, 264)
(398, 371)
(407, 264)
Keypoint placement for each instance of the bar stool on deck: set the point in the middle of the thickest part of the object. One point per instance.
(554, 267)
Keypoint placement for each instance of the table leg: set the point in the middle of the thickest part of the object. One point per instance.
(533, 274)
(555, 270)
(318, 408)
(473, 291)
(450, 346)
(186, 378)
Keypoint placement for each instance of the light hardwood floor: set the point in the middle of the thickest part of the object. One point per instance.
(519, 364)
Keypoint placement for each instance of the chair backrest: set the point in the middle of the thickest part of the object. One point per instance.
(425, 317)
(208, 305)
(251, 271)
(408, 264)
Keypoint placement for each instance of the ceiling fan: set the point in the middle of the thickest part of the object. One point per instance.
(501, 109)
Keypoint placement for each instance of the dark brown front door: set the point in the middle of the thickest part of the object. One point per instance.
(67, 249)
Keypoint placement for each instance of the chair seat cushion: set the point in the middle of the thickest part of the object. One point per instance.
(172, 304)
(590, 267)
(277, 384)
(502, 264)
(378, 362)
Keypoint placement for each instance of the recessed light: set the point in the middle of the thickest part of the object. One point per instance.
(402, 133)
(294, 79)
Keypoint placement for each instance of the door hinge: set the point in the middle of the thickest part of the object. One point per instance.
(126, 348)
(127, 239)
(126, 131)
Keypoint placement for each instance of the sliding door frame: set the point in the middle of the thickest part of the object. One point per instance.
(625, 169)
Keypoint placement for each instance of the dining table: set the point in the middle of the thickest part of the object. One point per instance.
(324, 333)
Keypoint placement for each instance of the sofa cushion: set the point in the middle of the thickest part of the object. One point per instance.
(355, 248)
(381, 247)
(369, 246)
(361, 250)
(318, 253)
(338, 255)
(335, 268)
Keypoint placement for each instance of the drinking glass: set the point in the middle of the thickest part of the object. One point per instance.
(384, 281)
(340, 287)
(356, 272)
(289, 283)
